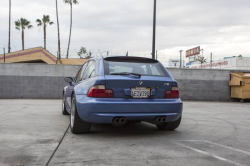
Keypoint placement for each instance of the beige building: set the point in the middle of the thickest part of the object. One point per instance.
(37, 55)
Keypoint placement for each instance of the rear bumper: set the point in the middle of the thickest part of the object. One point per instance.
(104, 110)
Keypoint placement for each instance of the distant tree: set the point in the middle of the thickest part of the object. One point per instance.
(44, 22)
(240, 56)
(82, 51)
(89, 56)
(202, 60)
(90, 53)
(21, 25)
(70, 2)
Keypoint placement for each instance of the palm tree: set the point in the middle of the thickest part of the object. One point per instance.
(22, 24)
(70, 2)
(58, 30)
(9, 25)
(44, 22)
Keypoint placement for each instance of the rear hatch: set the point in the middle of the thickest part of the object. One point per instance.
(122, 86)
(133, 77)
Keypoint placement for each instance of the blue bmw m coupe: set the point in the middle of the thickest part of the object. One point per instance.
(119, 90)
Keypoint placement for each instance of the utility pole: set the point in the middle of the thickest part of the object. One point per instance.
(154, 29)
(156, 55)
(58, 33)
(211, 60)
(4, 55)
(107, 53)
(9, 48)
(181, 58)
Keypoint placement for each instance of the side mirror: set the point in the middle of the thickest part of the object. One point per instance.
(68, 80)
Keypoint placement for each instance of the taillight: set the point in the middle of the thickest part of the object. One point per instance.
(172, 94)
(99, 91)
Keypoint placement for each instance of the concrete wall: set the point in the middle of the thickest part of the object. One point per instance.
(35, 81)
(202, 84)
(41, 81)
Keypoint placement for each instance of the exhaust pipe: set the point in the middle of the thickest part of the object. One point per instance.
(164, 119)
(118, 121)
(159, 119)
(122, 120)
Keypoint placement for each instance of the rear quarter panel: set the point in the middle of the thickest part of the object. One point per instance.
(83, 87)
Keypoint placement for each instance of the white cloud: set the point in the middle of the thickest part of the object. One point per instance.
(119, 26)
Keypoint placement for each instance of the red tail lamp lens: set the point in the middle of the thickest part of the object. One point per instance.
(99, 91)
(172, 94)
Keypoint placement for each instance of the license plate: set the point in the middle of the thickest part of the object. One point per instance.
(140, 92)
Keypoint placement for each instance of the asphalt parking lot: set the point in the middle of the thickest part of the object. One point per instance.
(33, 132)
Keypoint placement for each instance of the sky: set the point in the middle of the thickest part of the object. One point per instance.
(221, 27)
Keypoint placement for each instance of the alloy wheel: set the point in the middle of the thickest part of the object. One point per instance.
(72, 116)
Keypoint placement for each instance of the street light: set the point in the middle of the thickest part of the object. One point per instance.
(202, 52)
(154, 29)
(181, 58)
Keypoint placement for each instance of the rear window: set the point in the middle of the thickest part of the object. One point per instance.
(146, 69)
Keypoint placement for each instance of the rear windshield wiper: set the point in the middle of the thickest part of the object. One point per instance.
(126, 73)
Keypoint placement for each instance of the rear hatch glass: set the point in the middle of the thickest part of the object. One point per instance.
(136, 78)
(145, 68)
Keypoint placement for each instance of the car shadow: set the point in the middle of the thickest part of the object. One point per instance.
(129, 130)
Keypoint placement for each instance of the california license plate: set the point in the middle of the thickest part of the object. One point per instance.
(140, 92)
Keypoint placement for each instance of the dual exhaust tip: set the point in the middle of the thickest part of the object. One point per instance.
(119, 121)
(161, 119)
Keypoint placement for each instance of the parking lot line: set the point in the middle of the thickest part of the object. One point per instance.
(227, 147)
(210, 154)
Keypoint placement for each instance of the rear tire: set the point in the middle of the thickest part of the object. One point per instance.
(77, 125)
(170, 125)
(64, 111)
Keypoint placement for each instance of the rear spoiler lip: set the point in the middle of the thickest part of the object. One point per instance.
(130, 58)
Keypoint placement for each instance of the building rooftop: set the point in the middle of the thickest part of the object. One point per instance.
(38, 55)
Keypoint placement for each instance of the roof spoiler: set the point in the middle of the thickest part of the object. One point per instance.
(130, 59)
